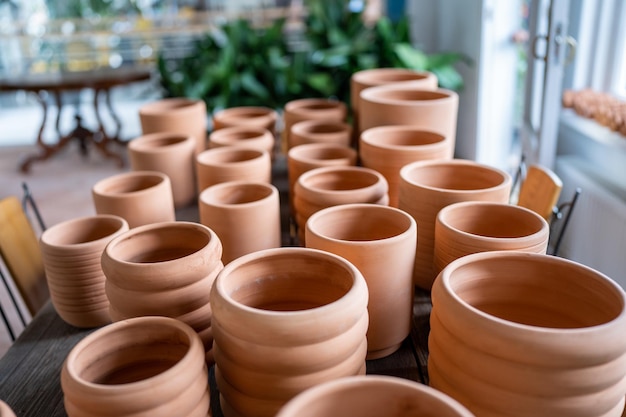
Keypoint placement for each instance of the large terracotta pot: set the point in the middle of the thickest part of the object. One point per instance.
(285, 319)
(244, 215)
(388, 148)
(373, 396)
(249, 116)
(164, 269)
(380, 241)
(481, 226)
(245, 136)
(428, 186)
(524, 334)
(232, 163)
(331, 186)
(320, 131)
(184, 116)
(171, 154)
(71, 252)
(143, 366)
(311, 109)
(139, 197)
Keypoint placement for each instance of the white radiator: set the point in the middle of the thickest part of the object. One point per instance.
(596, 233)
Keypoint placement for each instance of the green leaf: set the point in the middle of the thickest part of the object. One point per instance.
(411, 57)
(448, 77)
(321, 82)
(250, 84)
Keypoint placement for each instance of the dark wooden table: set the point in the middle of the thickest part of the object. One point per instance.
(101, 81)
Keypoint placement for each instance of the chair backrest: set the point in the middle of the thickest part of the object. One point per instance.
(540, 191)
(19, 248)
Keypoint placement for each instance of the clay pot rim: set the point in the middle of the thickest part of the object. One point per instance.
(205, 196)
(440, 95)
(48, 237)
(518, 330)
(239, 113)
(101, 186)
(253, 131)
(171, 105)
(205, 157)
(346, 171)
(145, 143)
(305, 127)
(379, 76)
(370, 137)
(303, 105)
(300, 153)
(540, 232)
(345, 384)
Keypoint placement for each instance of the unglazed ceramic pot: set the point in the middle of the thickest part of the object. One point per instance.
(380, 241)
(524, 334)
(249, 116)
(171, 154)
(143, 366)
(244, 215)
(232, 163)
(311, 109)
(428, 186)
(246, 136)
(481, 226)
(164, 269)
(320, 131)
(139, 197)
(5, 410)
(71, 253)
(184, 116)
(373, 396)
(388, 148)
(285, 319)
(331, 186)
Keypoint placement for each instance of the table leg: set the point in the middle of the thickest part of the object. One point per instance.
(103, 140)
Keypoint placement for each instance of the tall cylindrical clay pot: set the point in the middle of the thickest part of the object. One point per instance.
(232, 163)
(244, 136)
(525, 334)
(171, 154)
(380, 241)
(310, 109)
(184, 116)
(285, 319)
(71, 253)
(246, 116)
(320, 131)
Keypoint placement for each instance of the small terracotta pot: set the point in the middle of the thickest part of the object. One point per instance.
(285, 319)
(5, 410)
(311, 109)
(184, 116)
(248, 116)
(525, 334)
(244, 215)
(380, 241)
(142, 366)
(164, 269)
(71, 253)
(388, 148)
(232, 163)
(246, 136)
(320, 131)
(480, 226)
(331, 186)
(428, 186)
(139, 197)
(171, 154)
(373, 396)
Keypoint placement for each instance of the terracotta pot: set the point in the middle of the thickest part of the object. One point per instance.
(428, 186)
(171, 154)
(5, 410)
(244, 215)
(232, 163)
(285, 319)
(311, 109)
(143, 366)
(320, 131)
(164, 269)
(331, 186)
(480, 226)
(373, 396)
(361, 80)
(524, 334)
(380, 241)
(139, 197)
(248, 116)
(246, 136)
(184, 116)
(388, 148)
(71, 253)
(393, 104)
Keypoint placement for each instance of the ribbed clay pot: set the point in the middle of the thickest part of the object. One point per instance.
(285, 319)
(244, 215)
(248, 116)
(152, 366)
(320, 131)
(388, 148)
(524, 334)
(184, 116)
(361, 80)
(164, 269)
(5, 410)
(380, 241)
(171, 154)
(71, 252)
(397, 104)
(331, 186)
(232, 163)
(245, 136)
(139, 197)
(373, 396)
(311, 109)
(481, 226)
(428, 186)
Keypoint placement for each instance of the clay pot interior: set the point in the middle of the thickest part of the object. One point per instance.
(160, 141)
(390, 75)
(322, 152)
(339, 179)
(404, 136)
(243, 193)
(160, 106)
(228, 155)
(245, 115)
(124, 184)
(398, 95)
(84, 230)
(457, 177)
